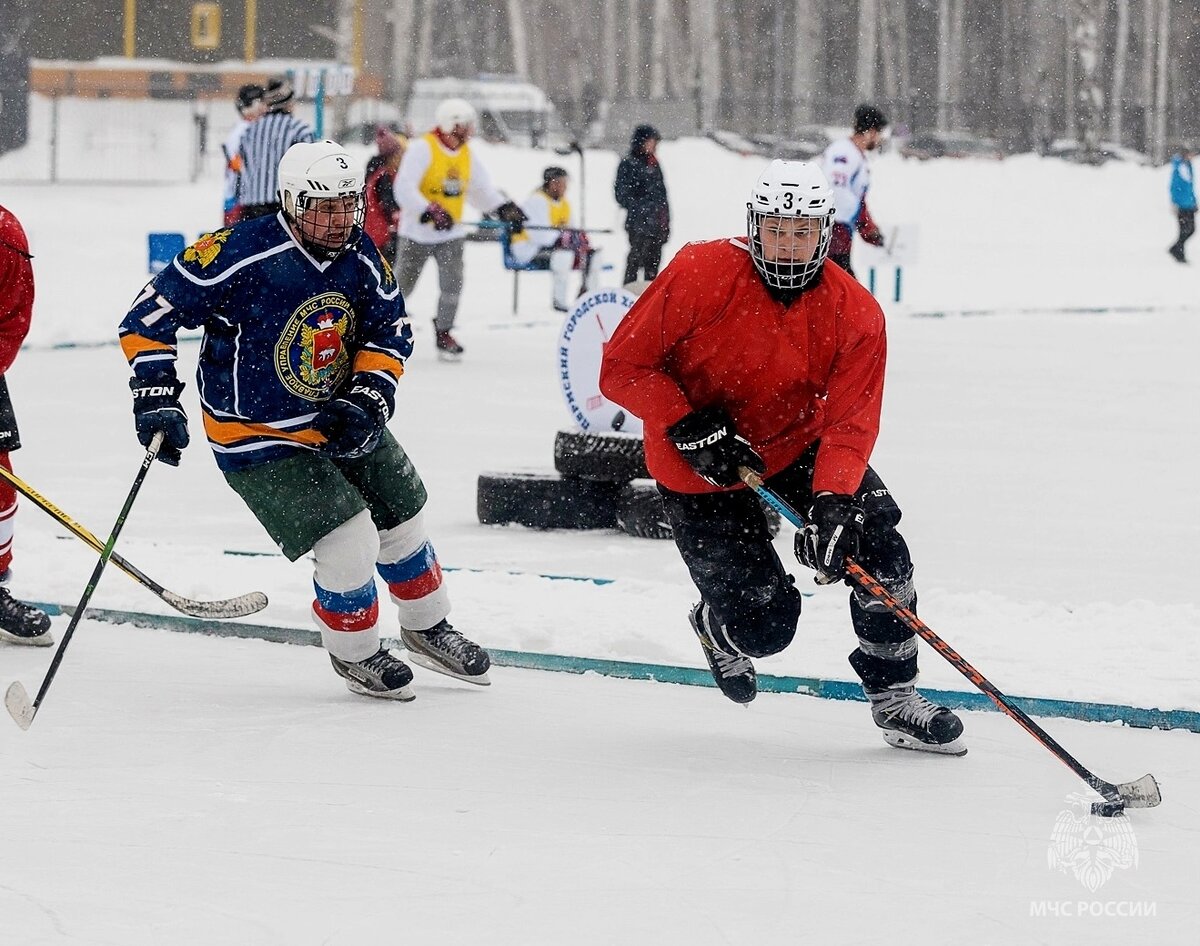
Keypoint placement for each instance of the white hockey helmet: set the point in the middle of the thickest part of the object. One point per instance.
(790, 189)
(321, 176)
(451, 113)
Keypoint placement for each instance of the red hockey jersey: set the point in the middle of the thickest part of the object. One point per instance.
(707, 331)
(16, 276)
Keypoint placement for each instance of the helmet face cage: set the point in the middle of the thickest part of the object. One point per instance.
(326, 222)
(792, 274)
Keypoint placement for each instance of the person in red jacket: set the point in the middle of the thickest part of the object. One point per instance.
(381, 220)
(750, 351)
(20, 623)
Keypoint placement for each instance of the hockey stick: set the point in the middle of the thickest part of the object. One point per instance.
(249, 603)
(1140, 793)
(16, 700)
(500, 224)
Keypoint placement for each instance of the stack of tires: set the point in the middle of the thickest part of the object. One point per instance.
(600, 481)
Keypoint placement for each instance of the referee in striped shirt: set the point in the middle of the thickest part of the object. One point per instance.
(263, 145)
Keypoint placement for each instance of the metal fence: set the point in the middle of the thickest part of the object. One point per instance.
(97, 140)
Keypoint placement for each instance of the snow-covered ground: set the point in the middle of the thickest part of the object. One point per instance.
(182, 790)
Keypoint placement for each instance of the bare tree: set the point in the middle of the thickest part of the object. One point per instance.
(519, 48)
(868, 45)
(945, 61)
(1085, 38)
(403, 50)
(658, 49)
(1116, 98)
(1159, 141)
(707, 53)
(806, 59)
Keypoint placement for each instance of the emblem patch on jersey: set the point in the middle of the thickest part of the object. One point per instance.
(206, 249)
(452, 186)
(388, 276)
(311, 357)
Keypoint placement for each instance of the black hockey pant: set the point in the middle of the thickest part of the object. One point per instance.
(645, 256)
(727, 549)
(1187, 226)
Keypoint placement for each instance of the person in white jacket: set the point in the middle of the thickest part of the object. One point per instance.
(437, 176)
(551, 235)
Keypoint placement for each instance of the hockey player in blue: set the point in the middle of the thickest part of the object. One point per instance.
(305, 338)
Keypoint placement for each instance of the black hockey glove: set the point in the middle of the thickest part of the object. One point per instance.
(512, 215)
(353, 421)
(711, 445)
(156, 408)
(831, 535)
(439, 216)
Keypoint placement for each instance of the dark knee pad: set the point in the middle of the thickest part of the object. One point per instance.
(884, 555)
(879, 672)
(761, 627)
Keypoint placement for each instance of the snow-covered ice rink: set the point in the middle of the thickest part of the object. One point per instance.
(177, 789)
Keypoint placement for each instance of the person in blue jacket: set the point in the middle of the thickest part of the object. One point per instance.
(1183, 196)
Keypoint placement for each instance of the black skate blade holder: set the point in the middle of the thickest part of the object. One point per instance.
(1140, 793)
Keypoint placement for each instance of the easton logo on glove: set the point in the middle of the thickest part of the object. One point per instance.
(710, 444)
(160, 391)
(704, 441)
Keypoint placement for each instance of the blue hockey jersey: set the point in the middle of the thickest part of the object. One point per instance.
(282, 332)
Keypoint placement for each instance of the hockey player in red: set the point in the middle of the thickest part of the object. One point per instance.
(20, 623)
(752, 352)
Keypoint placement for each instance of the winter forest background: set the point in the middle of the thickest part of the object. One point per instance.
(1022, 71)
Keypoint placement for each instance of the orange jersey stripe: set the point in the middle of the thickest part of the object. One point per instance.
(134, 345)
(228, 432)
(378, 361)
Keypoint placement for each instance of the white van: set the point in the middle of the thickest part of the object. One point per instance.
(510, 110)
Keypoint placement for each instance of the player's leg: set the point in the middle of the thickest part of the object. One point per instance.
(449, 258)
(20, 623)
(395, 496)
(306, 504)
(748, 605)
(886, 656)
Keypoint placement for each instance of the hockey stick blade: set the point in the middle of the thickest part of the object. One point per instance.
(250, 603)
(241, 606)
(1140, 793)
(16, 701)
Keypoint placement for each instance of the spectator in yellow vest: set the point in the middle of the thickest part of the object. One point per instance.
(437, 175)
(549, 235)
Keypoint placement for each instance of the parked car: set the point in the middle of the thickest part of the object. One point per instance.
(950, 144)
(802, 145)
(732, 141)
(510, 110)
(1070, 149)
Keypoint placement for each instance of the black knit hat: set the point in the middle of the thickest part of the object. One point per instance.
(641, 135)
(279, 92)
(552, 173)
(248, 95)
(869, 118)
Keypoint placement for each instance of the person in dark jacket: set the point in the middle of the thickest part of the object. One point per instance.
(640, 189)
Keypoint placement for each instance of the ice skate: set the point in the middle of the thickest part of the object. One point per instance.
(733, 672)
(448, 349)
(21, 623)
(909, 721)
(380, 675)
(444, 650)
